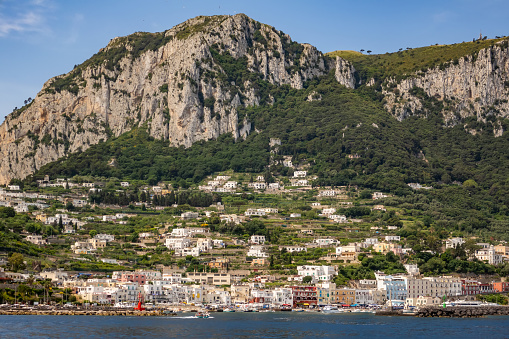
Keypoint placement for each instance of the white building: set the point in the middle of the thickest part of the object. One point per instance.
(292, 249)
(230, 184)
(124, 184)
(257, 239)
(177, 243)
(282, 296)
(21, 208)
(338, 218)
(454, 242)
(392, 238)
(327, 193)
(433, 287)
(319, 273)
(300, 174)
(364, 296)
(180, 233)
(257, 185)
(328, 211)
(105, 237)
(371, 241)
(257, 251)
(274, 186)
(83, 247)
(326, 242)
(489, 255)
(36, 240)
(183, 252)
(218, 243)
(254, 212)
(350, 248)
(204, 244)
(379, 195)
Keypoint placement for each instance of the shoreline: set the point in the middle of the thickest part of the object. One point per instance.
(427, 312)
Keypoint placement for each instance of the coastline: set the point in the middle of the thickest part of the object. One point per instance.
(426, 312)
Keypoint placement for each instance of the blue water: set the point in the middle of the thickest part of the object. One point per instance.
(252, 325)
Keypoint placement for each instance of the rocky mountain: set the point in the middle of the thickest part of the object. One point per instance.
(467, 80)
(188, 83)
(474, 85)
(184, 83)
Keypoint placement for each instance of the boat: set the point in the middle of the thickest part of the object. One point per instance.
(297, 310)
(464, 303)
(228, 310)
(331, 309)
(202, 315)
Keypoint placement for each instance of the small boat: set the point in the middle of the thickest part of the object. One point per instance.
(297, 310)
(202, 315)
(228, 310)
(331, 309)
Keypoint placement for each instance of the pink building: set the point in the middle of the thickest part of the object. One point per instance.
(136, 277)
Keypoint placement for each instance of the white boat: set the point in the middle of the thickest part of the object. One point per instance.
(464, 303)
(331, 309)
(297, 310)
(228, 310)
(202, 315)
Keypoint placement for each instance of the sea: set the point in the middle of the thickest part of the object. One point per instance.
(253, 325)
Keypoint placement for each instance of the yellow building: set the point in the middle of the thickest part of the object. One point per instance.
(343, 296)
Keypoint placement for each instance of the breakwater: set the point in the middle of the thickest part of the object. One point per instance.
(462, 312)
(121, 312)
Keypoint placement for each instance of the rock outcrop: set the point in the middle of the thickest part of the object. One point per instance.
(184, 84)
(474, 85)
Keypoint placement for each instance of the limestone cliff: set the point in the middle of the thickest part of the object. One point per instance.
(184, 84)
(474, 85)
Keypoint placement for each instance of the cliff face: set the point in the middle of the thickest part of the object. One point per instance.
(184, 84)
(471, 86)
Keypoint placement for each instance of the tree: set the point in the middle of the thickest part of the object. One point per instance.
(369, 52)
(307, 279)
(16, 261)
(92, 233)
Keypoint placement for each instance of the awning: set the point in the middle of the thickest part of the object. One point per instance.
(345, 305)
(305, 304)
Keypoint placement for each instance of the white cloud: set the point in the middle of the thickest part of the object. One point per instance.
(15, 18)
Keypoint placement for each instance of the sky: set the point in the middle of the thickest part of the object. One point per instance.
(40, 39)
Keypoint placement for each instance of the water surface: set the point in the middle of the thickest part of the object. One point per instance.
(253, 325)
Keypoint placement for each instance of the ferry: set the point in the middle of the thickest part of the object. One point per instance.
(464, 303)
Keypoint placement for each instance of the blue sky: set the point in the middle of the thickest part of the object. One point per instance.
(40, 39)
